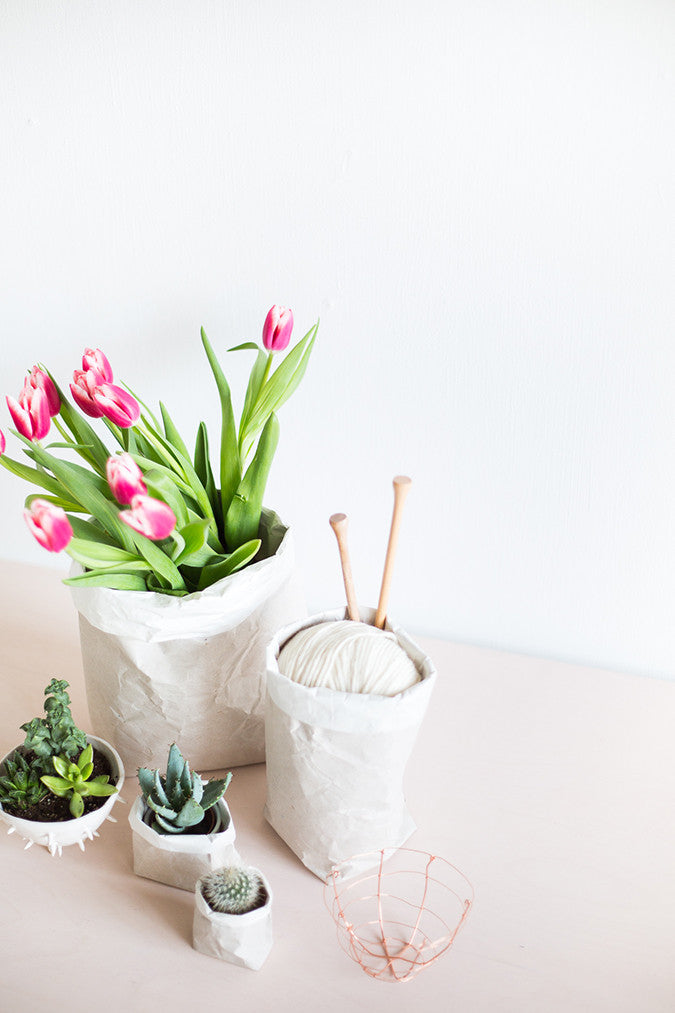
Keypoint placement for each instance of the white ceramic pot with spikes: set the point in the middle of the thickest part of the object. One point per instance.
(57, 836)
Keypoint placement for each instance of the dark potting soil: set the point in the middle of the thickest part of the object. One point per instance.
(53, 809)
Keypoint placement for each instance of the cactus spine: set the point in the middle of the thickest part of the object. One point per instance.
(233, 890)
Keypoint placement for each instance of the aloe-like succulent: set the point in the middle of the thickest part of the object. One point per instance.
(20, 785)
(56, 734)
(73, 780)
(234, 889)
(179, 800)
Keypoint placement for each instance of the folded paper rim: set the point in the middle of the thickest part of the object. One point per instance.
(153, 617)
(186, 844)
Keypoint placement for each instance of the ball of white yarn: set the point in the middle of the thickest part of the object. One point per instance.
(349, 657)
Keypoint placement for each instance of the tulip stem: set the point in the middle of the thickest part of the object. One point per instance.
(401, 489)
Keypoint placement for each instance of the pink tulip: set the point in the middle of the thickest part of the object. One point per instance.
(95, 360)
(125, 478)
(30, 413)
(82, 388)
(116, 404)
(39, 380)
(277, 329)
(149, 517)
(3, 442)
(48, 524)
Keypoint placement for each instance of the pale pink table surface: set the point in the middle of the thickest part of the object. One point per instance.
(551, 786)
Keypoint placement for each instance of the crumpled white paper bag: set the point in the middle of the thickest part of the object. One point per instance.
(244, 939)
(335, 761)
(180, 859)
(160, 669)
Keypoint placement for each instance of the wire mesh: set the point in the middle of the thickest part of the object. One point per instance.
(395, 921)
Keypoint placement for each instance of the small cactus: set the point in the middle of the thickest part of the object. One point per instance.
(233, 890)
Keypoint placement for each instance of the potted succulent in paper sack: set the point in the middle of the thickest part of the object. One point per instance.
(59, 786)
(181, 825)
(233, 916)
(179, 579)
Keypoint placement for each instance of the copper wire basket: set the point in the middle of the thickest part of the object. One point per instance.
(395, 921)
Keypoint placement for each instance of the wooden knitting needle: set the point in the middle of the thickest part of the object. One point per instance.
(338, 522)
(401, 489)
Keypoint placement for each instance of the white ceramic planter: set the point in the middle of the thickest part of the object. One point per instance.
(57, 836)
(160, 669)
(245, 940)
(180, 859)
(335, 761)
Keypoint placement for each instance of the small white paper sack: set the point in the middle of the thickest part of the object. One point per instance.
(244, 939)
(180, 859)
(335, 761)
(160, 669)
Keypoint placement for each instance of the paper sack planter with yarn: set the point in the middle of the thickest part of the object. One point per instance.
(335, 760)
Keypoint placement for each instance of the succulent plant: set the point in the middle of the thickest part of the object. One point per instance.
(179, 800)
(234, 889)
(56, 734)
(73, 780)
(20, 785)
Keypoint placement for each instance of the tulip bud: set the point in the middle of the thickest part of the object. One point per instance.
(125, 478)
(277, 329)
(38, 379)
(95, 360)
(149, 517)
(3, 442)
(83, 387)
(116, 404)
(30, 413)
(48, 524)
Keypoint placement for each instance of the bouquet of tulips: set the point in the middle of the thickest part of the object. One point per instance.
(152, 516)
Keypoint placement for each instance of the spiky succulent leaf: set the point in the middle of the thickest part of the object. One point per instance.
(157, 807)
(186, 780)
(190, 815)
(174, 769)
(146, 779)
(214, 790)
(197, 787)
(160, 789)
(163, 826)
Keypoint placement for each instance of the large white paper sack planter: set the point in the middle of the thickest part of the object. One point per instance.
(335, 761)
(244, 939)
(160, 669)
(180, 859)
(57, 836)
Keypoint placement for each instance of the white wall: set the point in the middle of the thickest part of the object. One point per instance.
(475, 197)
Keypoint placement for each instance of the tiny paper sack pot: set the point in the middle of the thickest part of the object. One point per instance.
(180, 859)
(56, 836)
(335, 761)
(244, 939)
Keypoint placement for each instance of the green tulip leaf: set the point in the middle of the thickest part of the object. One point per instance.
(103, 578)
(229, 564)
(243, 517)
(245, 344)
(230, 467)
